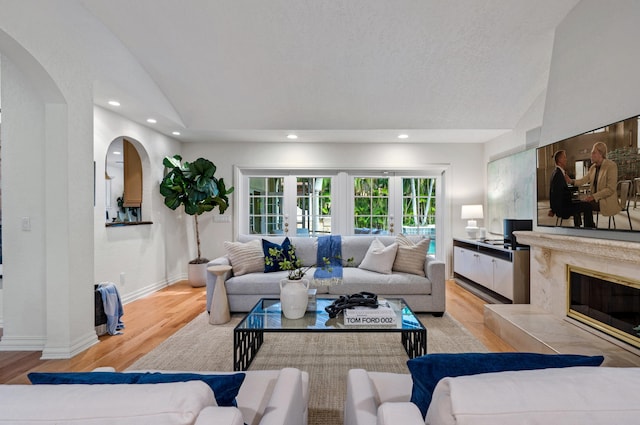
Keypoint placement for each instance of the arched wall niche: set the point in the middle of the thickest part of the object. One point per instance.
(128, 198)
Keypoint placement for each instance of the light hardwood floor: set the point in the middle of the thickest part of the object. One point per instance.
(152, 319)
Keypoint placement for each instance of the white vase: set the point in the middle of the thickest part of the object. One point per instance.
(294, 297)
(197, 274)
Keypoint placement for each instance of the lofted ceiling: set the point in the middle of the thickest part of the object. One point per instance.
(337, 71)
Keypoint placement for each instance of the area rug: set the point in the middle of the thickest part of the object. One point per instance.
(327, 357)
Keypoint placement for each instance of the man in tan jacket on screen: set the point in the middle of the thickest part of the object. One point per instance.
(603, 180)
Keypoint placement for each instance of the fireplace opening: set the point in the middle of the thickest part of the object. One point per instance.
(608, 303)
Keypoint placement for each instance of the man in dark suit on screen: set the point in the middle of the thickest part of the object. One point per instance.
(560, 196)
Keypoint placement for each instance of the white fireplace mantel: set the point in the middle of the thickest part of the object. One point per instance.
(550, 254)
(543, 326)
(603, 248)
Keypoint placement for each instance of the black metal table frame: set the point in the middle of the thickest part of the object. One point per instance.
(247, 342)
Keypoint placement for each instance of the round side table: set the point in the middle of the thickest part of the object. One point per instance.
(219, 313)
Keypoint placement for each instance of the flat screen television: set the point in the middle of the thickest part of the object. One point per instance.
(621, 140)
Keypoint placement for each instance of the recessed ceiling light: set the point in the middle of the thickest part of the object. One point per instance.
(292, 136)
(117, 153)
(151, 120)
(114, 103)
(176, 133)
(403, 136)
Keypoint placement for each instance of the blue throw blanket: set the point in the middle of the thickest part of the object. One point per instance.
(112, 307)
(329, 247)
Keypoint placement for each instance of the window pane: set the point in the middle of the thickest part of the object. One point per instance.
(419, 208)
(413, 202)
(362, 206)
(362, 224)
(266, 206)
(380, 206)
(380, 187)
(371, 205)
(313, 202)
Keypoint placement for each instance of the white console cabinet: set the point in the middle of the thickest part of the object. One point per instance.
(494, 268)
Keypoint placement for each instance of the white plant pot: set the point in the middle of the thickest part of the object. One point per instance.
(197, 274)
(294, 297)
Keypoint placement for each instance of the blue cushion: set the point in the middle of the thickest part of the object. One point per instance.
(427, 371)
(288, 253)
(225, 387)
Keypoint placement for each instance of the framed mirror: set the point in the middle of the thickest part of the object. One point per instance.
(123, 183)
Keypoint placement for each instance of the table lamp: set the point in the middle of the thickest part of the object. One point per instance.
(471, 213)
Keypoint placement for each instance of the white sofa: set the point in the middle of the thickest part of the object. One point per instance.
(266, 397)
(564, 396)
(424, 294)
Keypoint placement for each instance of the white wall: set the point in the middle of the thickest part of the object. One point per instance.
(594, 72)
(151, 256)
(169, 242)
(464, 183)
(516, 140)
(47, 178)
(23, 251)
(511, 143)
(593, 79)
(50, 270)
(52, 52)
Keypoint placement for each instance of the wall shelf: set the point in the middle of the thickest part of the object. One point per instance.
(127, 223)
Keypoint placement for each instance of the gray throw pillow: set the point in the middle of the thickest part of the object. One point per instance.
(411, 256)
(245, 257)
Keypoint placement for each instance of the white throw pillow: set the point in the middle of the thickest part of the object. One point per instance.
(245, 257)
(411, 256)
(379, 258)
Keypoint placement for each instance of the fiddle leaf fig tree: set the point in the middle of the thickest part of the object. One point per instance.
(193, 185)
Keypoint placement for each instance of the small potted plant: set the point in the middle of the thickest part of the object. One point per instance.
(120, 202)
(194, 186)
(286, 260)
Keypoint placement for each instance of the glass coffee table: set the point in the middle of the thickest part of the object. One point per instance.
(266, 316)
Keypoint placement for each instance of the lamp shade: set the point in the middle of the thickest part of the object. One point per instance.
(470, 212)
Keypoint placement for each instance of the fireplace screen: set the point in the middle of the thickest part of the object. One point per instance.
(608, 303)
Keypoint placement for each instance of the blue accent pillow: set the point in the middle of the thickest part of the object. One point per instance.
(427, 371)
(225, 387)
(288, 253)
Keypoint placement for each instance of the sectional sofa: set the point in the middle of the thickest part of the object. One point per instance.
(564, 396)
(423, 290)
(265, 397)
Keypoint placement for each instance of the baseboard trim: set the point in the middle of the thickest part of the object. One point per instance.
(21, 343)
(481, 292)
(150, 289)
(67, 352)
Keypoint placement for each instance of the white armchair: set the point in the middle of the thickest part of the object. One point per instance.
(266, 397)
(270, 397)
(366, 391)
(572, 395)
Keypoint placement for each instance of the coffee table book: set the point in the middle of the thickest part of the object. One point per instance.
(362, 315)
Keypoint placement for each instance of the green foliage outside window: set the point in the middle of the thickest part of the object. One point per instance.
(314, 205)
(371, 203)
(265, 205)
(419, 201)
